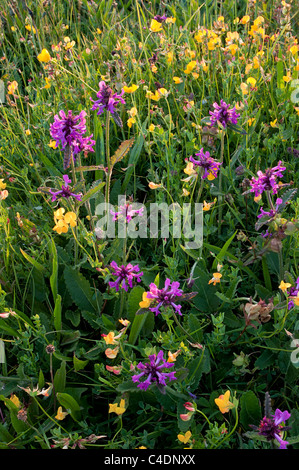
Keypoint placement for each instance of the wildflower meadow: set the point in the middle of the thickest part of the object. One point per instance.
(149, 216)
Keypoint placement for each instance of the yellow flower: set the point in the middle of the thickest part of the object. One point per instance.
(284, 286)
(109, 339)
(12, 87)
(185, 192)
(70, 218)
(287, 78)
(273, 123)
(153, 96)
(207, 205)
(30, 28)
(111, 353)
(215, 279)
(162, 91)
(177, 80)
(151, 127)
(204, 65)
(223, 402)
(124, 322)
(154, 185)
(155, 26)
(257, 198)
(189, 170)
(130, 89)
(61, 414)
(3, 194)
(44, 56)
(13, 28)
(61, 227)
(294, 49)
(119, 410)
(99, 31)
(245, 19)
(48, 83)
(233, 48)
(130, 122)
(244, 88)
(248, 68)
(170, 20)
(251, 81)
(170, 57)
(2, 185)
(190, 66)
(184, 437)
(154, 68)
(250, 121)
(133, 112)
(28, 132)
(145, 303)
(172, 356)
(52, 144)
(296, 300)
(15, 400)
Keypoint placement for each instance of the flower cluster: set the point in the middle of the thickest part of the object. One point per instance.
(107, 100)
(209, 166)
(224, 114)
(153, 372)
(165, 297)
(267, 181)
(63, 221)
(68, 131)
(293, 294)
(271, 427)
(65, 191)
(125, 275)
(126, 211)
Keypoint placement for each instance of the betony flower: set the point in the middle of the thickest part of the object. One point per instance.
(267, 181)
(167, 296)
(65, 191)
(153, 372)
(272, 212)
(224, 114)
(127, 212)
(68, 132)
(271, 427)
(207, 163)
(125, 275)
(107, 100)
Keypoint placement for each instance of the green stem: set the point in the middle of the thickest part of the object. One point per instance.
(220, 184)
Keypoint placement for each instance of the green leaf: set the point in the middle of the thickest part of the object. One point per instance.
(54, 275)
(80, 290)
(134, 297)
(265, 360)
(92, 192)
(137, 324)
(70, 404)
(195, 327)
(78, 364)
(57, 315)
(60, 378)
(250, 410)
(33, 261)
(223, 251)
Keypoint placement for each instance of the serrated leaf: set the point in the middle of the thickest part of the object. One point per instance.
(122, 151)
(80, 290)
(92, 191)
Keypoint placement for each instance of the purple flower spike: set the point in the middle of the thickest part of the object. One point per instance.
(208, 164)
(68, 130)
(166, 296)
(125, 275)
(271, 427)
(224, 114)
(293, 292)
(65, 191)
(152, 372)
(106, 99)
(267, 181)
